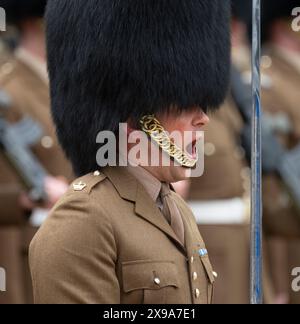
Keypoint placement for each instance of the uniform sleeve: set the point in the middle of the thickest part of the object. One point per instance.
(73, 257)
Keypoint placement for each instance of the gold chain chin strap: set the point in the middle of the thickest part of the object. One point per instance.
(152, 127)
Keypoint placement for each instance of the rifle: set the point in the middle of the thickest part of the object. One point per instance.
(15, 142)
(275, 157)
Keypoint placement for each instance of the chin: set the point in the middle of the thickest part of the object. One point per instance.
(180, 173)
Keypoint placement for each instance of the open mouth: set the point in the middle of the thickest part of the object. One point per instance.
(191, 150)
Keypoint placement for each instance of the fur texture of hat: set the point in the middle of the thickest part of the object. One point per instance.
(114, 60)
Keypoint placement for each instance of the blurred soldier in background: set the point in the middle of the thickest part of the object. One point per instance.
(221, 197)
(281, 100)
(24, 93)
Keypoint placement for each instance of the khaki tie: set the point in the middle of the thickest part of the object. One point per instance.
(171, 212)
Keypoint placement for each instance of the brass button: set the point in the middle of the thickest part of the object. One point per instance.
(215, 274)
(97, 173)
(157, 281)
(192, 259)
(197, 293)
(195, 276)
(266, 62)
(47, 142)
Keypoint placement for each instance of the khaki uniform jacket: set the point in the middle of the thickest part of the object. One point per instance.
(107, 242)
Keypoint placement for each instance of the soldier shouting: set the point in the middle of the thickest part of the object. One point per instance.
(121, 235)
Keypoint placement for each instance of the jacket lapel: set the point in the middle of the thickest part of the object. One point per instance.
(193, 239)
(146, 208)
(130, 189)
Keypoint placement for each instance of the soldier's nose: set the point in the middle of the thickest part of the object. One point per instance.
(201, 120)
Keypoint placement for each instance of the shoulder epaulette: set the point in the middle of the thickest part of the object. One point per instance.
(86, 183)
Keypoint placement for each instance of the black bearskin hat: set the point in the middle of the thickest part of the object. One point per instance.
(273, 10)
(17, 10)
(115, 60)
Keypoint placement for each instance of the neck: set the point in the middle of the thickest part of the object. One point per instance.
(154, 171)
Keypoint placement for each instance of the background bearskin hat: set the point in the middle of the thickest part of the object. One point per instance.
(17, 10)
(114, 60)
(273, 10)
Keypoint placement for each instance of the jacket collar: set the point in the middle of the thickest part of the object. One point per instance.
(130, 189)
(123, 181)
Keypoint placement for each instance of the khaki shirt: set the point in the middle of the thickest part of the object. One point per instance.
(107, 242)
(151, 184)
